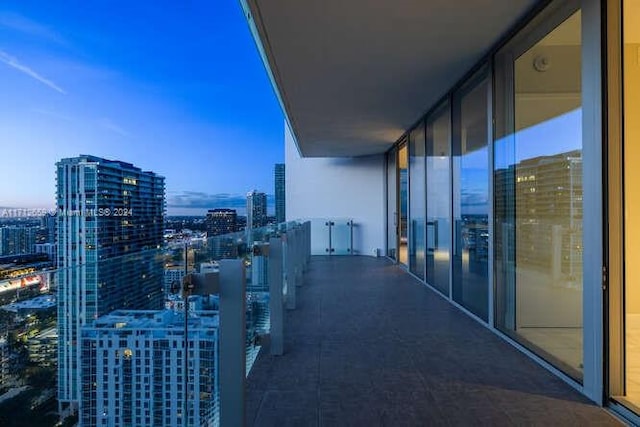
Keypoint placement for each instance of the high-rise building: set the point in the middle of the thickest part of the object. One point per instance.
(17, 240)
(256, 209)
(280, 192)
(48, 224)
(133, 369)
(109, 231)
(221, 221)
(259, 271)
(50, 249)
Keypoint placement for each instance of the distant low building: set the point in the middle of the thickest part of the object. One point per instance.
(5, 361)
(197, 303)
(33, 305)
(209, 267)
(220, 247)
(43, 348)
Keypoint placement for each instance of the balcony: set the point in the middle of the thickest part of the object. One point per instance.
(370, 345)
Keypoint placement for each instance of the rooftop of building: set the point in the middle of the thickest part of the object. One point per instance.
(118, 164)
(155, 319)
(222, 210)
(50, 333)
(42, 302)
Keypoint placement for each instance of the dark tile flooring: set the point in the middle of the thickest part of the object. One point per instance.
(369, 345)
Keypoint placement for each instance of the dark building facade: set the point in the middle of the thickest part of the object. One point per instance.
(280, 192)
(17, 240)
(221, 221)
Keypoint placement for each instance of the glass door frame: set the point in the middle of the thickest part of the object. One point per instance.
(403, 144)
(392, 153)
(614, 309)
(506, 113)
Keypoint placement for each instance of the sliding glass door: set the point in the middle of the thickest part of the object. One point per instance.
(439, 198)
(403, 203)
(538, 188)
(470, 153)
(631, 126)
(624, 292)
(417, 201)
(392, 205)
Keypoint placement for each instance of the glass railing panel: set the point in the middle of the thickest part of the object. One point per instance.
(251, 246)
(320, 237)
(101, 311)
(342, 236)
(114, 298)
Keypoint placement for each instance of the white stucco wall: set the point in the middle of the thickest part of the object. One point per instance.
(350, 187)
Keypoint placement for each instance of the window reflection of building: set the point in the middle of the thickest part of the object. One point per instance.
(548, 196)
(538, 190)
(470, 163)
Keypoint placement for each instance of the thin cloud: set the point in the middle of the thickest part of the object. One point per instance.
(24, 25)
(53, 114)
(14, 63)
(108, 124)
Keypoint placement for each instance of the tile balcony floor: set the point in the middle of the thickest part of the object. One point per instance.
(369, 345)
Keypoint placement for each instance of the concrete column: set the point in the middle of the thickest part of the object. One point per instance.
(308, 241)
(298, 255)
(232, 352)
(289, 269)
(276, 303)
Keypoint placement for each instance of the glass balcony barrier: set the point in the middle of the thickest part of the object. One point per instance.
(332, 236)
(272, 260)
(131, 312)
(106, 325)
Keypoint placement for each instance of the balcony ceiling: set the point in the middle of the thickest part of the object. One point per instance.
(354, 75)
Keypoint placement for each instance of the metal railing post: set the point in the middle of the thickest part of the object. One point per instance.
(276, 303)
(232, 351)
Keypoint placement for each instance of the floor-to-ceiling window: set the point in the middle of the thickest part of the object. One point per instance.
(417, 201)
(470, 155)
(538, 187)
(624, 314)
(403, 202)
(631, 120)
(438, 152)
(392, 204)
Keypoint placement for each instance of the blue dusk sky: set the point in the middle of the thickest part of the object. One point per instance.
(176, 87)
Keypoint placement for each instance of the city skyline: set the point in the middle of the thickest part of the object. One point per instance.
(82, 80)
